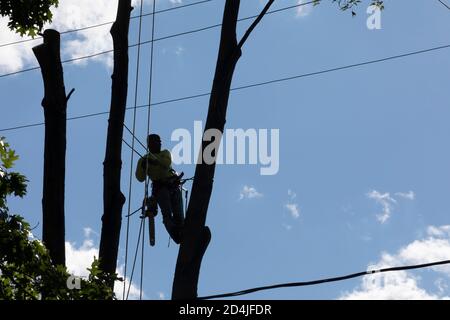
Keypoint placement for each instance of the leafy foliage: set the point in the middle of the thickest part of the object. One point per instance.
(345, 5)
(10, 182)
(27, 16)
(26, 270)
(349, 4)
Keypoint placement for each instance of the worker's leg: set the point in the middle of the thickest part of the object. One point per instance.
(176, 201)
(164, 202)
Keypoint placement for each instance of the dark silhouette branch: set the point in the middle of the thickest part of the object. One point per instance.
(70, 94)
(255, 23)
(55, 113)
(113, 199)
(196, 236)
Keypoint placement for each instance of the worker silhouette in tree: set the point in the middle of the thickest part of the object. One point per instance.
(166, 187)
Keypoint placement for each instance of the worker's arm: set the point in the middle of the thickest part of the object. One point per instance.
(140, 170)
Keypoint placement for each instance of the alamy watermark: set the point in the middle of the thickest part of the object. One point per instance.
(73, 282)
(374, 19)
(235, 146)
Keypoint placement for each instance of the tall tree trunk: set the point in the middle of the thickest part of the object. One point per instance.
(55, 111)
(197, 236)
(113, 199)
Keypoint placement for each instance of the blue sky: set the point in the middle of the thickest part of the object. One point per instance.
(355, 145)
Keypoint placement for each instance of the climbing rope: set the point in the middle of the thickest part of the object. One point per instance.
(142, 256)
(133, 131)
(148, 132)
(135, 211)
(134, 260)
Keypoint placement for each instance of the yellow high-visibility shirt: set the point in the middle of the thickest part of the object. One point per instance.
(158, 170)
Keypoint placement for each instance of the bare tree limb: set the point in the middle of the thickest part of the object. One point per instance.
(70, 93)
(255, 23)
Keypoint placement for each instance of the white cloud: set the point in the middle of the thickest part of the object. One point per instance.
(70, 14)
(179, 50)
(293, 209)
(386, 201)
(161, 296)
(442, 285)
(303, 10)
(249, 192)
(399, 286)
(403, 284)
(291, 205)
(442, 231)
(14, 57)
(410, 195)
(78, 259)
(431, 249)
(133, 289)
(75, 14)
(292, 195)
(288, 227)
(88, 232)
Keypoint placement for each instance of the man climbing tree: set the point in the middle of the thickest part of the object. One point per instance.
(166, 189)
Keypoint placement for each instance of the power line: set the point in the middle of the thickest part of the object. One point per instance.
(165, 10)
(135, 138)
(342, 68)
(64, 61)
(142, 258)
(444, 4)
(157, 39)
(109, 22)
(304, 75)
(320, 281)
(219, 24)
(132, 149)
